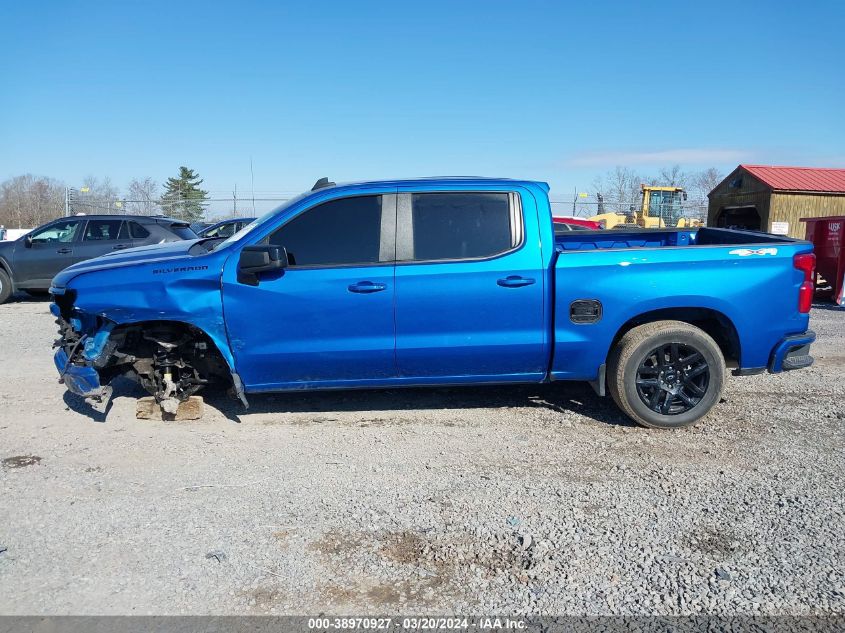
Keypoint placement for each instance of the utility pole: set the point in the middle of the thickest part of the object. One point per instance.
(70, 200)
(252, 178)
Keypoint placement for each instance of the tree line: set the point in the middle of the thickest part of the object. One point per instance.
(620, 187)
(28, 201)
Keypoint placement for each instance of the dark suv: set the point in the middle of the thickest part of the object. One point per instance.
(29, 263)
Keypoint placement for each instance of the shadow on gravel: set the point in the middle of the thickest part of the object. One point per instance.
(828, 307)
(121, 386)
(562, 397)
(23, 297)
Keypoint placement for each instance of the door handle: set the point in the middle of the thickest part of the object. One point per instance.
(120, 247)
(366, 287)
(64, 251)
(515, 281)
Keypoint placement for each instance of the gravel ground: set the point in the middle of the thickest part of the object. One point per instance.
(508, 500)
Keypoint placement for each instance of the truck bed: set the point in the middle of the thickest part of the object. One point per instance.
(741, 278)
(653, 238)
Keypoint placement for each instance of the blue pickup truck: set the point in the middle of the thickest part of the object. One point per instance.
(446, 281)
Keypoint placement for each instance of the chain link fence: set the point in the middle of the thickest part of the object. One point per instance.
(585, 207)
(223, 207)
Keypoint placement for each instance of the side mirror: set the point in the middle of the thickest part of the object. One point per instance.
(27, 241)
(261, 258)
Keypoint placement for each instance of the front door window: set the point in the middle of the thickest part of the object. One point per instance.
(59, 233)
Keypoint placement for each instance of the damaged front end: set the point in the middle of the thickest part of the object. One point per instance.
(79, 346)
(171, 360)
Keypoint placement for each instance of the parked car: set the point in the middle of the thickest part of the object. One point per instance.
(30, 262)
(440, 282)
(568, 223)
(226, 228)
(198, 227)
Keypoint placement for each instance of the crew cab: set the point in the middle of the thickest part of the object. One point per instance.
(439, 282)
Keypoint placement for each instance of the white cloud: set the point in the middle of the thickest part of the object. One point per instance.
(689, 156)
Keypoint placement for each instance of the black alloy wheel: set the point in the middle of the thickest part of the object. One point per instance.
(672, 378)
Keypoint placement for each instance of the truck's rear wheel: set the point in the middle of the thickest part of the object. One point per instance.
(5, 286)
(666, 374)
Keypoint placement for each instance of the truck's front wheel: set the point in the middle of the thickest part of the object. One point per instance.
(666, 374)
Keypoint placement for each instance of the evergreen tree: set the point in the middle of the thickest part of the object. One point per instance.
(183, 199)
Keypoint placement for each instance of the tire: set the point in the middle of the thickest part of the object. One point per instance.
(5, 286)
(666, 362)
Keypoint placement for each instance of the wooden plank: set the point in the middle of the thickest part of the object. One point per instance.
(791, 207)
(148, 409)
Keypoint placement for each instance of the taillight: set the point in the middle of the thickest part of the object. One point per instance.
(806, 263)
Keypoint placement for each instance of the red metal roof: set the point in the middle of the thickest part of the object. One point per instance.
(799, 178)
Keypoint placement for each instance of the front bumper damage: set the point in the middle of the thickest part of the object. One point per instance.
(79, 358)
(170, 360)
(82, 380)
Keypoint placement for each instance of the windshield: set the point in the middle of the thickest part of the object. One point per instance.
(249, 228)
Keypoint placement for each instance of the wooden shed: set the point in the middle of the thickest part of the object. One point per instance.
(774, 199)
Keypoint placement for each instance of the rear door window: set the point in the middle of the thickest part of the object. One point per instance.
(338, 232)
(463, 225)
(101, 230)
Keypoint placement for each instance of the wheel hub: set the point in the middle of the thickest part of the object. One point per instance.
(672, 378)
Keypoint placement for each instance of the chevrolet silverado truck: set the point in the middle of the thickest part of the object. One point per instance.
(447, 281)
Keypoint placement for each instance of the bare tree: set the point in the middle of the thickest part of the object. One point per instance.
(143, 197)
(97, 196)
(620, 189)
(672, 176)
(27, 201)
(705, 181)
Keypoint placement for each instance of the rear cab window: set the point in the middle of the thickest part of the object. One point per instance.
(452, 226)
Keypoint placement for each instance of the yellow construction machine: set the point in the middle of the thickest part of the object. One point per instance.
(660, 207)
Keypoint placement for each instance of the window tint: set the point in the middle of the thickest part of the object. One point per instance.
(183, 231)
(98, 230)
(61, 232)
(344, 231)
(224, 230)
(461, 225)
(137, 231)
